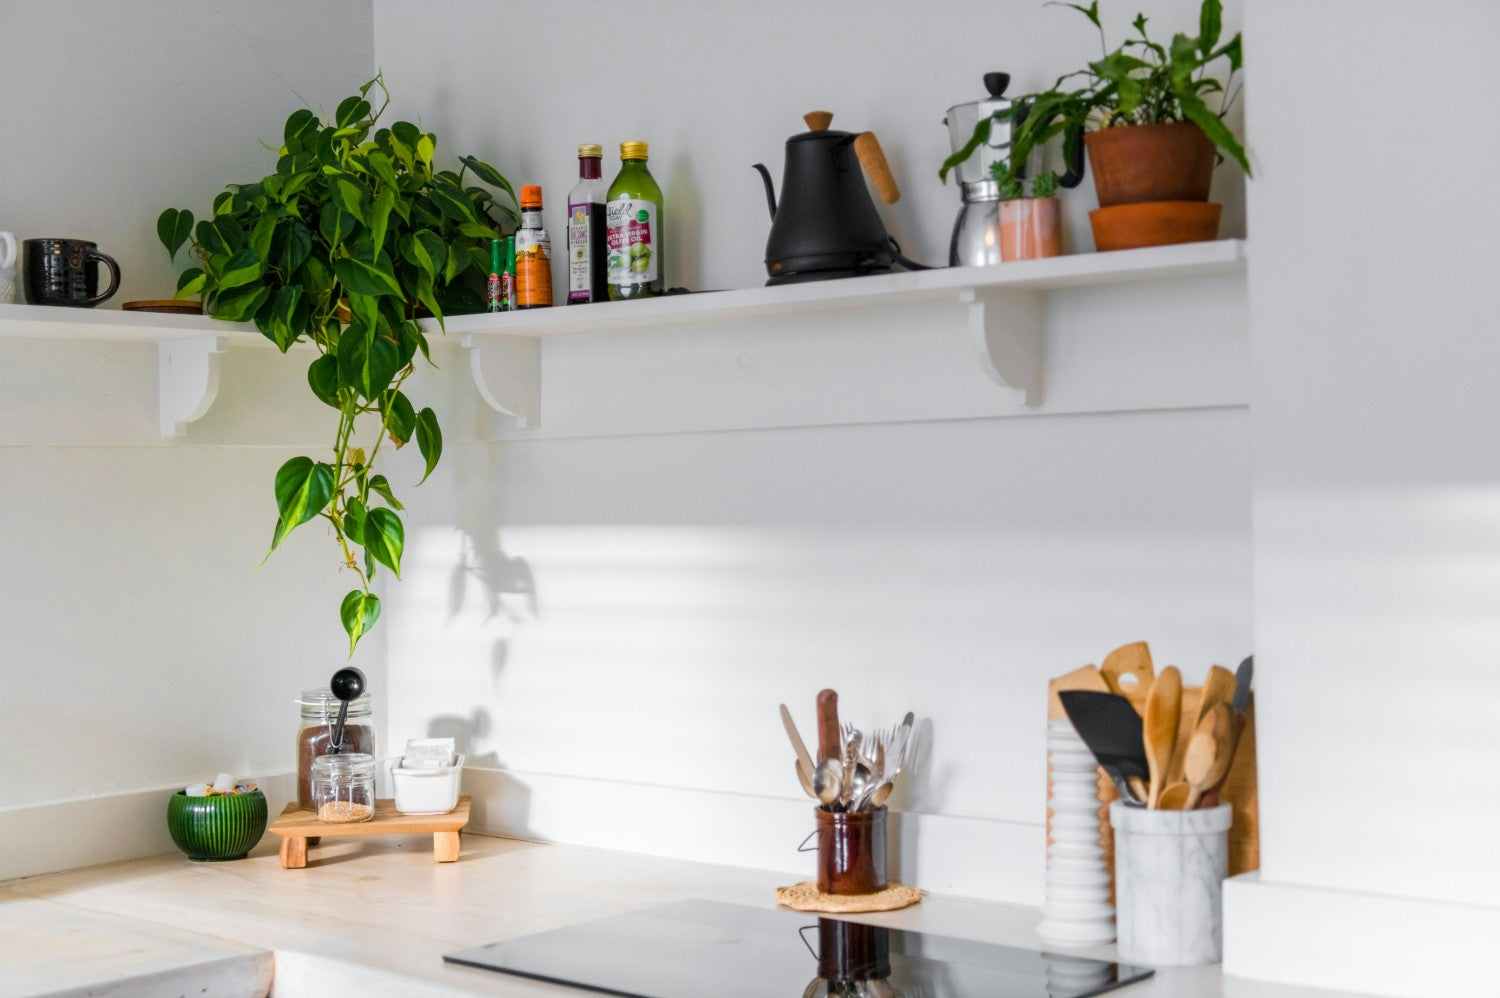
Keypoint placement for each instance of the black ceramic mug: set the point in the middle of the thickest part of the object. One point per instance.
(66, 272)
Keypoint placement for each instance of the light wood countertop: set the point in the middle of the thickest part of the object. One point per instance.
(374, 917)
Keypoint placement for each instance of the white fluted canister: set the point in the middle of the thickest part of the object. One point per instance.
(1077, 911)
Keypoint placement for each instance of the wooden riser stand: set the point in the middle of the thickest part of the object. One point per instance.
(299, 829)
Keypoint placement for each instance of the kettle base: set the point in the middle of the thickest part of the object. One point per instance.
(801, 276)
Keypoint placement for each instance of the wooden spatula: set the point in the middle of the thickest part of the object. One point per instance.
(1217, 688)
(1132, 661)
(1209, 752)
(1159, 728)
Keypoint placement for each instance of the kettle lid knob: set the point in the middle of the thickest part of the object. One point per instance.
(996, 83)
(818, 121)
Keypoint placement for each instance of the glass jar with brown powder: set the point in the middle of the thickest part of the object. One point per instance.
(320, 709)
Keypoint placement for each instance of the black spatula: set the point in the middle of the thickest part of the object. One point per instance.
(1111, 728)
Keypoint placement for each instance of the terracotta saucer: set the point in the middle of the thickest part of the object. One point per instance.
(170, 305)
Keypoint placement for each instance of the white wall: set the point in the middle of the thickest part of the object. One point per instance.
(685, 583)
(142, 649)
(1377, 500)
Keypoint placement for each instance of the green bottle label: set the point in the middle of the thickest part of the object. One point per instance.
(631, 238)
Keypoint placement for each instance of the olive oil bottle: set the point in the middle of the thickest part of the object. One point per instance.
(633, 229)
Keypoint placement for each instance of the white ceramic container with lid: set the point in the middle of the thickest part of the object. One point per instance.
(426, 791)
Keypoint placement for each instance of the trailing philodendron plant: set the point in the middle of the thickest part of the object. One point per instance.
(338, 247)
(1142, 82)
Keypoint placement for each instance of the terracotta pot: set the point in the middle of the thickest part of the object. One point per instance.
(1159, 223)
(1136, 163)
(1030, 228)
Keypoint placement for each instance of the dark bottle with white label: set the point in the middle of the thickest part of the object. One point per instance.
(588, 254)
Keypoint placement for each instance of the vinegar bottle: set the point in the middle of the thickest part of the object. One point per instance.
(637, 266)
(533, 254)
(587, 254)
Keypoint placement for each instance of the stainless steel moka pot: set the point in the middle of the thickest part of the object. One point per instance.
(976, 233)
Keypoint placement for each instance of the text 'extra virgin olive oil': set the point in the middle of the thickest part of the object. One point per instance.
(533, 254)
(637, 265)
(588, 252)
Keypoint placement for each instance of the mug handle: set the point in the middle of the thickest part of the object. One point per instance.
(7, 250)
(114, 276)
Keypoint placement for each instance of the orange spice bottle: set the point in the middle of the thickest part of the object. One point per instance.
(533, 253)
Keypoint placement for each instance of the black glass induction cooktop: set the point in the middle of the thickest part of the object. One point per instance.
(694, 949)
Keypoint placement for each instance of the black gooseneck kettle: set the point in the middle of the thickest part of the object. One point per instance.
(826, 224)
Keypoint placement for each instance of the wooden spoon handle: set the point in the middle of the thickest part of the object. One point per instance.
(1159, 727)
(830, 741)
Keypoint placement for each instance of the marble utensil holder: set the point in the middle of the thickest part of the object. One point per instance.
(1169, 880)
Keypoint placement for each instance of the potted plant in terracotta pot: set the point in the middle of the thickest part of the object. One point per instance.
(354, 230)
(1144, 113)
(1155, 138)
(1030, 222)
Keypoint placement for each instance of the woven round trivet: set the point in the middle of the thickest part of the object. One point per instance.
(806, 897)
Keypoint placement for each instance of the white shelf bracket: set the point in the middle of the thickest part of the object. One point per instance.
(1007, 327)
(187, 374)
(507, 371)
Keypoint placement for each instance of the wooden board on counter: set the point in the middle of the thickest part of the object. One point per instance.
(298, 829)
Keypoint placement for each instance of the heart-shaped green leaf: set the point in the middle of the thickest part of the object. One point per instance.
(429, 440)
(379, 485)
(323, 379)
(290, 247)
(303, 489)
(384, 537)
(488, 174)
(351, 111)
(173, 228)
(301, 123)
(359, 611)
(354, 520)
(336, 225)
(380, 215)
(240, 304)
(366, 272)
(367, 360)
(241, 269)
(352, 198)
(190, 282)
(400, 417)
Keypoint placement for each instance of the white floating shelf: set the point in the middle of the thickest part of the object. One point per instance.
(1004, 308)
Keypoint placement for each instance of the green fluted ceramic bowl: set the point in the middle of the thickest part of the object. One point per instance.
(215, 828)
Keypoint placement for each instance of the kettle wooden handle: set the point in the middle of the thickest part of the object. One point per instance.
(872, 158)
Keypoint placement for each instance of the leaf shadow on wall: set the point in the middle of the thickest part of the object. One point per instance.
(497, 593)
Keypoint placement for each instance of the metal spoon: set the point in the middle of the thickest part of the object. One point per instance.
(805, 777)
(828, 781)
(877, 797)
